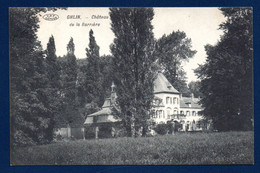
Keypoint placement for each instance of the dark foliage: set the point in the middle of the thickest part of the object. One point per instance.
(31, 112)
(70, 109)
(171, 50)
(194, 88)
(93, 78)
(132, 49)
(227, 76)
(162, 129)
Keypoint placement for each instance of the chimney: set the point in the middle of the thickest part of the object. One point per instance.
(192, 96)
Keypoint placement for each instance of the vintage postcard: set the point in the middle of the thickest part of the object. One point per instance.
(131, 86)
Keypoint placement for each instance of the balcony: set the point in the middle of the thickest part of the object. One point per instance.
(177, 116)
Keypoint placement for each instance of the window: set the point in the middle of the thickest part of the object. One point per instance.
(188, 113)
(182, 112)
(160, 114)
(157, 114)
(171, 100)
(193, 113)
(177, 100)
(163, 114)
(174, 100)
(167, 100)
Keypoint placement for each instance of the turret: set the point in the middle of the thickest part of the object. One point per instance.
(113, 94)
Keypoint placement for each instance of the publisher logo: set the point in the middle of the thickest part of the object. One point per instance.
(50, 17)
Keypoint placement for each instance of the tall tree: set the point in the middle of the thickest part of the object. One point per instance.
(69, 86)
(54, 82)
(227, 74)
(133, 60)
(93, 83)
(30, 109)
(171, 51)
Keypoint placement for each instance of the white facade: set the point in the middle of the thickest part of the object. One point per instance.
(169, 105)
(166, 104)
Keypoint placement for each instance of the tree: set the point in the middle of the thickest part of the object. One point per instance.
(70, 114)
(171, 51)
(30, 109)
(227, 74)
(93, 83)
(132, 49)
(194, 87)
(53, 71)
(180, 81)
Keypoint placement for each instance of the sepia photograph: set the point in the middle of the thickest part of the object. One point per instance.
(131, 86)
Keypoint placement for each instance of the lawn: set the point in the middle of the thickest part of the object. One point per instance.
(185, 148)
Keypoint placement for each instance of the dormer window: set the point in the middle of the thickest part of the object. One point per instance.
(189, 104)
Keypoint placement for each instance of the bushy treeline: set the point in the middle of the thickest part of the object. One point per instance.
(47, 91)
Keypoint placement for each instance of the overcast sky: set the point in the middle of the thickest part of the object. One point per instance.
(199, 24)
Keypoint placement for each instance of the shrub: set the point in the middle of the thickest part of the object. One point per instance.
(89, 132)
(121, 132)
(57, 137)
(161, 129)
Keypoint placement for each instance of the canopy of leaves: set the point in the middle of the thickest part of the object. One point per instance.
(94, 91)
(227, 74)
(171, 50)
(132, 49)
(194, 88)
(30, 110)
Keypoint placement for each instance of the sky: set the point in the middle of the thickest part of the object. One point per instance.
(200, 25)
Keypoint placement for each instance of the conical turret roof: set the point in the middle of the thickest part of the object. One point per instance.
(162, 85)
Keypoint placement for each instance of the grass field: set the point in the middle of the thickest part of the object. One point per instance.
(197, 148)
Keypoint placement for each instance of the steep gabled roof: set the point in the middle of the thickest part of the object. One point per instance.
(103, 111)
(162, 85)
(105, 115)
(107, 103)
(185, 101)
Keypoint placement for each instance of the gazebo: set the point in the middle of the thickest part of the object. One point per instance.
(108, 115)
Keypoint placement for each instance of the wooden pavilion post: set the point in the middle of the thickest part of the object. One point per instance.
(96, 132)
